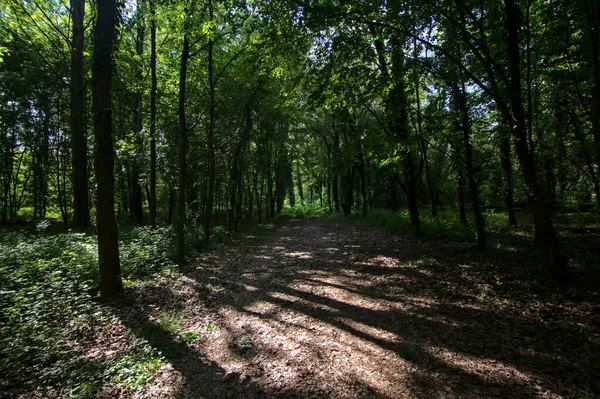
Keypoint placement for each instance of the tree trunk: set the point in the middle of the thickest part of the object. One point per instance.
(299, 184)
(81, 212)
(329, 207)
(335, 182)
(135, 196)
(507, 184)
(579, 135)
(348, 191)
(461, 193)
(593, 17)
(465, 125)
(397, 113)
(180, 217)
(152, 196)
(108, 235)
(210, 134)
(363, 183)
(544, 228)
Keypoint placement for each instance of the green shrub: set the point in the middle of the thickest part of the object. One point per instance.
(145, 251)
(46, 287)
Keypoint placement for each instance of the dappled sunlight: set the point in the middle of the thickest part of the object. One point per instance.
(299, 255)
(305, 320)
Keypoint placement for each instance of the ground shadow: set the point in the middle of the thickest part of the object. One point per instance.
(329, 311)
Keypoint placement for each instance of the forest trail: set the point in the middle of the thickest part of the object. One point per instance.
(328, 310)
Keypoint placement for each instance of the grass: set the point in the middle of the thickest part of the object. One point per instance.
(445, 225)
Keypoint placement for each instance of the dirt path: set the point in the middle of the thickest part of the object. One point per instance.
(317, 309)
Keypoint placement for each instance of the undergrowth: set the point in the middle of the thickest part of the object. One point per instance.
(48, 282)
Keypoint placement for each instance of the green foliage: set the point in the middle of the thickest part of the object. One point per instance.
(170, 320)
(212, 327)
(47, 285)
(190, 336)
(145, 251)
(134, 370)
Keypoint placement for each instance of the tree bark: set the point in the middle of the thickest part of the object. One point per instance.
(593, 25)
(507, 183)
(81, 212)
(465, 125)
(363, 183)
(152, 196)
(182, 154)
(210, 134)
(135, 196)
(108, 240)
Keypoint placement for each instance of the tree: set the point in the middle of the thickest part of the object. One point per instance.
(81, 214)
(106, 223)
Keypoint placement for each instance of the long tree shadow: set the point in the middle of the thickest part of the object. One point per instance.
(424, 312)
(201, 377)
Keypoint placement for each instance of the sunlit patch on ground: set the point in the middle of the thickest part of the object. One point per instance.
(372, 315)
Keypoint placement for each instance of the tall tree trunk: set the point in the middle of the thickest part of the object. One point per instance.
(397, 113)
(210, 134)
(152, 196)
(335, 182)
(593, 17)
(180, 217)
(108, 234)
(461, 193)
(507, 184)
(348, 191)
(171, 204)
(81, 212)
(134, 184)
(544, 228)
(363, 183)
(329, 206)
(424, 145)
(579, 135)
(299, 185)
(465, 125)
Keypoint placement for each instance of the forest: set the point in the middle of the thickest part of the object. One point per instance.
(288, 198)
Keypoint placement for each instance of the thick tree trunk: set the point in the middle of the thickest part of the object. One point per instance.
(544, 228)
(108, 235)
(152, 196)
(81, 212)
(180, 217)
(507, 184)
